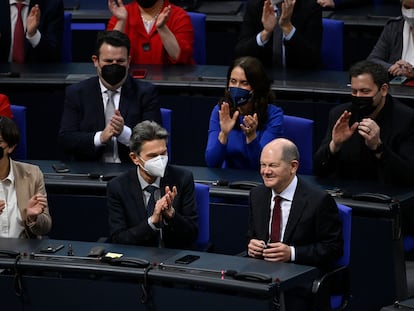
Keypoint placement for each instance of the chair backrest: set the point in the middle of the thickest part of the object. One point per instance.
(408, 243)
(19, 117)
(199, 48)
(332, 44)
(166, 123)
(333, 291)
(66, 55)
(202, 193)
(345, 215)
(300, 131)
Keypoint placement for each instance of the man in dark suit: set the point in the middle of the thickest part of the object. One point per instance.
(290, 220)
(371, 138)
(86, 130)
(300, 22)
(43, 25)
(154, 203)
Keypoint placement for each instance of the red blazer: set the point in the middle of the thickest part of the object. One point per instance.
(5, 109)
(147, 48)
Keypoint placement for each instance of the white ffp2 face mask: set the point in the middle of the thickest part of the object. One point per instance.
(156, 166)
(408, 15)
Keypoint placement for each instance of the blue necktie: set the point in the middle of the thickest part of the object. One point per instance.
(151, 202)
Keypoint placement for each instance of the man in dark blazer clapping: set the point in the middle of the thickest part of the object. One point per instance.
(284, 35)
(307, 230)
(152, 204)
(43, 29)
(86, 130)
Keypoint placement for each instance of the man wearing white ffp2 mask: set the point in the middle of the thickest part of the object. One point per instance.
(154, 203)
(156, 166)
(395, 47)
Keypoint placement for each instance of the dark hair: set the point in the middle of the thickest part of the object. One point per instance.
(378, 73)
(9, 131)
(257, 77)
(146, 131)
(112, 37)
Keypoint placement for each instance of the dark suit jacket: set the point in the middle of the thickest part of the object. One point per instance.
(50, 27)
(389, 46)
(83, 115)
(313, 226)
(303, 50)
(356, 161)
(127, 213)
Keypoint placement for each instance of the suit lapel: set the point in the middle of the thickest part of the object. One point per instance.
(99, 102)
(298, 205)
(5, 29)
(136, 193)
(264, 205)
(124, 101)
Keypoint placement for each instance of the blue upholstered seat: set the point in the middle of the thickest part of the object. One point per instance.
(19, 117)
(202, 193)
(333, 288)
(66, 55)
(166, 123)
(199, 25)
(300, 131)
(332, 44)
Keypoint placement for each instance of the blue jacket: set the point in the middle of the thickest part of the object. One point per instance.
(237, 153)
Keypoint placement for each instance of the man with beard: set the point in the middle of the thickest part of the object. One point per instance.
(373, 137)
(100, 112)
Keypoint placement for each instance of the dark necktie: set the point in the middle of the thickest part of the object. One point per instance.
(276, 221)
(151, 202)
(277, 43)
(18, 43)
(109, 112)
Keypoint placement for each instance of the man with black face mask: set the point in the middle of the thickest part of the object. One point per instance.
(373, 137)
(99, 112)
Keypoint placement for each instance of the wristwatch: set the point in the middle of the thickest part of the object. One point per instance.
(379, 149)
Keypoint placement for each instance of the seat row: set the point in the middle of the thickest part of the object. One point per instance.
(332, 39)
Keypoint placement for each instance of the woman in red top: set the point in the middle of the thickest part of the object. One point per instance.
(5, 109)
(160, 32)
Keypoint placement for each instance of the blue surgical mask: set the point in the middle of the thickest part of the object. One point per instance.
(239, 96)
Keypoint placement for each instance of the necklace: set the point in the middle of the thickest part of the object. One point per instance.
(149, 22)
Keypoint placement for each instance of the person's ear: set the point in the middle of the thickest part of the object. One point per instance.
(294, 165)
(95, 60)
(134, 158)
(384, 89)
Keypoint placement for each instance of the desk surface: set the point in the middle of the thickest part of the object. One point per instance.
(83, 176)
(207, 270)
(193, 77)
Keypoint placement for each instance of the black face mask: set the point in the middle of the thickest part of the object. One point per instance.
(362, 106)
(113, 74)
(146, 3)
